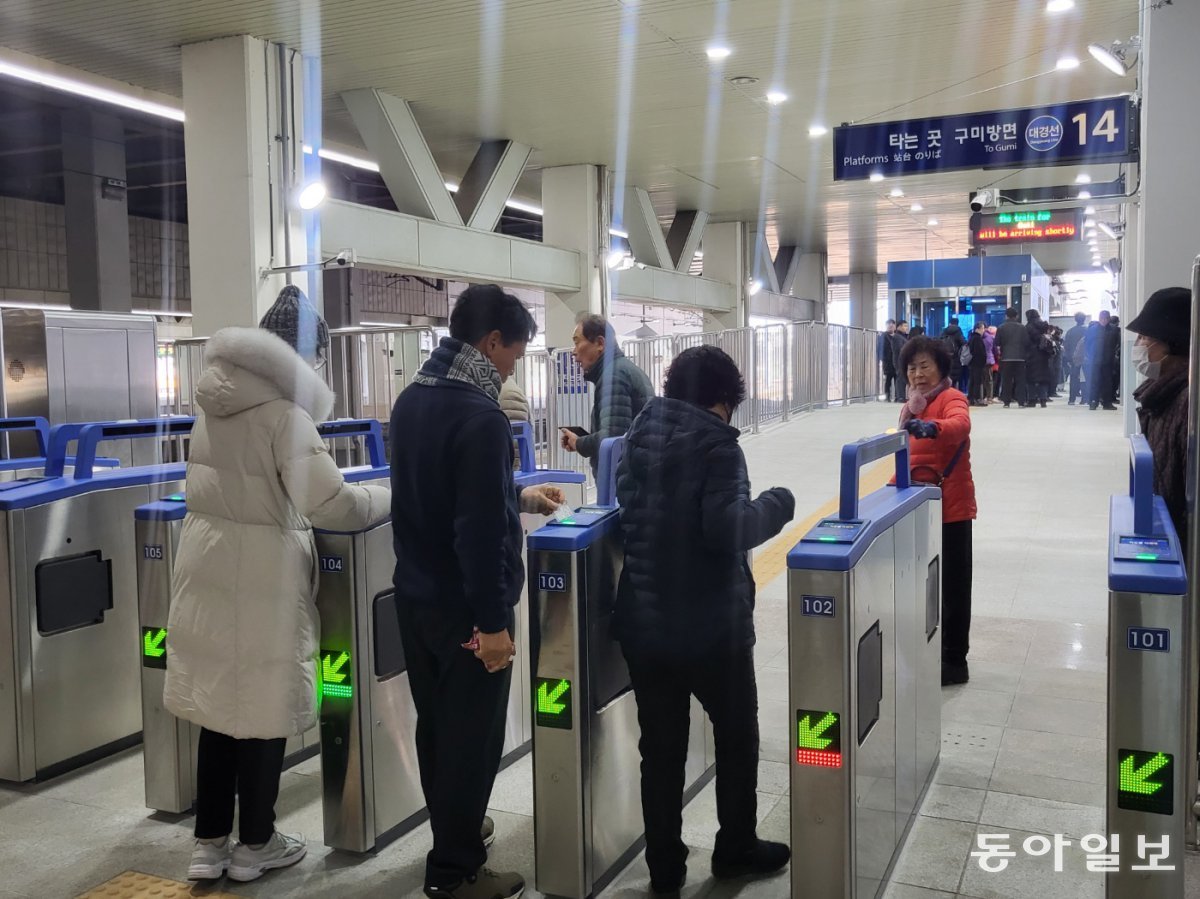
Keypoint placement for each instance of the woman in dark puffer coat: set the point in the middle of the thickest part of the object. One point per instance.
(685, 608)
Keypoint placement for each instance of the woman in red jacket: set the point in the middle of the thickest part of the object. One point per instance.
(937, 417)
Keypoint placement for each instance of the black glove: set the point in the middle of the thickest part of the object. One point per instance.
(919, 428)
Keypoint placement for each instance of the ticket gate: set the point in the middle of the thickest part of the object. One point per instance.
(1147, 800)
(35, 465)
(169, 743)
(68, 605)
(864, 663)
(586, 765)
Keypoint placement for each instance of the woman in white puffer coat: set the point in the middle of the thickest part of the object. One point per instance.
(243, 630)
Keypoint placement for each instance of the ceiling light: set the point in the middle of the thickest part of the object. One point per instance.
(1084, 195)
(523, 207)
(743, 80)
(344, 159)
(932, 223)
(755, 286)
(916, 207)
(45, 307)
(817, 130)
(718, 53)
(614, 258)
(1083, 178)
(1117, 57)
(91, 91)
(1056, 6)
(616, 232)
(897, 192)
(1066, 63)
(876, 177)
(312, 195)
(776, 97)
(1091, 210)
(1089, 223)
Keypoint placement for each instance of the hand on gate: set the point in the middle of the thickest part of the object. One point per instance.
(542, 499)
(496, 651)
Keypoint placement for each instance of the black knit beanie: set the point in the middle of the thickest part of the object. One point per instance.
(296, 321)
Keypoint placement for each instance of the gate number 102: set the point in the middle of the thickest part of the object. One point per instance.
(820, 606)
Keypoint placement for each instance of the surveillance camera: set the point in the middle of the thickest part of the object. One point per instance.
(344, 257)
(983, 199)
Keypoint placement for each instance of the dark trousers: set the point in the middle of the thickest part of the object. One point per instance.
(964, 379)
(724, 684)
(1012, 381)
(978, 374)
(889, 380)
(1076, 383)
(956, 592)
(246, 769)
(1099, 385)
(461, 712)
(1038, 392)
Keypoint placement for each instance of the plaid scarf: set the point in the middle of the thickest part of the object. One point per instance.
(454, 360)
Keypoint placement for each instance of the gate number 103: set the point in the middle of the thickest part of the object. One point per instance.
(549, 582)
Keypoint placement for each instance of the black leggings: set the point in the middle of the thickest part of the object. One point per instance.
(246, 769)
(956, 592)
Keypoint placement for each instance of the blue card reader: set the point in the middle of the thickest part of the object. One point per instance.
(836, 530)
(584, 517)
(1136, 548)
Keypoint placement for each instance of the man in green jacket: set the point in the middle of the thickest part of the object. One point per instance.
(622, 389)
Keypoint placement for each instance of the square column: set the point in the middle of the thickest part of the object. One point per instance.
(576, 217)
(863, 287)
(726, 258)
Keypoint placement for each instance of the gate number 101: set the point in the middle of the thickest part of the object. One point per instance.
(1154, 639)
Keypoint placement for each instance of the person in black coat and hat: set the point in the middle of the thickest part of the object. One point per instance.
(685, 608)
(1161, 355)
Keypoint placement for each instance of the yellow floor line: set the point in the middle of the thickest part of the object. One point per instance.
(770, 562)
(135, 885)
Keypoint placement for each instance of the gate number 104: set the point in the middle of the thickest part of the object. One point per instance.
(1154, 639)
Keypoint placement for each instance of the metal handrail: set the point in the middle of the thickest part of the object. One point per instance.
(1191, 611)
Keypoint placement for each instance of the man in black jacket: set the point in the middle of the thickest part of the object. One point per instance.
(1013, 342)
(457, 531)
(1070, 343)
(896, 341)
(622, 388)
(978, 367)
(685, 608)
(953, 337)
(1100, 350)
(883, 349)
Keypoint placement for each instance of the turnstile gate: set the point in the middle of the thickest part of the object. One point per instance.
(169, 744)
(68, 606)
(864, 662)
(15, 469)
(586, 765)
(1147, 692)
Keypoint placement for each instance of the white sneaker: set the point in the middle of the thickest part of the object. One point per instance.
(210, 861)
(282, 850)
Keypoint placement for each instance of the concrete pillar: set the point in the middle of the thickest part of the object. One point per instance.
(1131, 299)
(239, 153)
(812, 281)
(97, 214)
(576, 217)
(726, 259)
(1168, 240)
(863, 287)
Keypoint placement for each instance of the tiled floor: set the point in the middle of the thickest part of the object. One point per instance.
(1022, 749)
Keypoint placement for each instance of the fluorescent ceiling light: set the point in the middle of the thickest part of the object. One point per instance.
(916, 207)
(932, 223)
(1091, 210)
(776, 97)
(876, 176)
(1083, 178)
(717, 53)
(312, 195)
(897, 192)
(344, 158)
(1066, 63)
(90, 91)
(1084, 195)
(523, 207)
(47, 307)
(1057, 6)
(615, 233)
(1089, 223)
(162, 313)
(383, 325)
(817, 130)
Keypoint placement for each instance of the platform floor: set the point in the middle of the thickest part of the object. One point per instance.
(1023, 743)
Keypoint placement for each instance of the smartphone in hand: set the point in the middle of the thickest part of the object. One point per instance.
(578, 432)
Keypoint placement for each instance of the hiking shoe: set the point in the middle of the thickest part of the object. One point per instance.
(210, 861)
(761, 859)
(488, 831)
(954, 674)
(281, 851)
(483, 884)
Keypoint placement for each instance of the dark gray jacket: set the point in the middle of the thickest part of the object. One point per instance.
(622, 389)
(1013, 342)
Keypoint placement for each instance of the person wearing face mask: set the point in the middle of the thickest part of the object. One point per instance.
(939, 421)
(1161, 356)
(685, 609)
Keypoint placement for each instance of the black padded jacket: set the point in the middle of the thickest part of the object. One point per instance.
(688, 523)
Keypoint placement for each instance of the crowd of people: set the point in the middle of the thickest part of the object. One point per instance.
(243, 624)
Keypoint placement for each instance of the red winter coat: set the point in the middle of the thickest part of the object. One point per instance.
(949, 410)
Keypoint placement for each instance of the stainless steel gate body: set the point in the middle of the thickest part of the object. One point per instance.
(69, 673)
(1147, 689)
(587, 798)
(864, 651)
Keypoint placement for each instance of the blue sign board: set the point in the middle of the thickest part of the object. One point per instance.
(1149, 639)
(1086, 131)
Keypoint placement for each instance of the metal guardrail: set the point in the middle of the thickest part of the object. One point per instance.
(789, 369)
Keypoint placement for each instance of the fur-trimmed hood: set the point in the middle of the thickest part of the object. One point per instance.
(247, 367)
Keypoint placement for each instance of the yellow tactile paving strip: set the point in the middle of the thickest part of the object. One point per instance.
(769, 563)
(135, 885)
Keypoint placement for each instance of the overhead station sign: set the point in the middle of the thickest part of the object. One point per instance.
(1101, 130)
(1030, 226)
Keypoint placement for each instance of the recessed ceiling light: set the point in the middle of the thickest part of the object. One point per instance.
(877, 176)
(932, 223)
(743, 80)
(1089, 223)
(1083, 178)
(776, 97)
(1066, 63)
(897, 192)
(915, 207)
(1084, 195)
(1056, 6)
(718, 53)
(1091, 210)
(817, 130)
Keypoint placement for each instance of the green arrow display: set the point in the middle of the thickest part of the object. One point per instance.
(1134, 780)
(809, 736)
(152, 643)
(333, 674)
(547, 698)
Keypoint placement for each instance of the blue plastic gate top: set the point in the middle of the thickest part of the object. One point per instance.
(612, 449)
(866, 518)
(1143, 517)
(529, 475)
